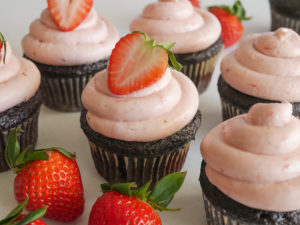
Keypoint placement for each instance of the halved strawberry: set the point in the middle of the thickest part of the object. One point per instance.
(137, 62)
(68, 14)
(195, 3)
(2, 43)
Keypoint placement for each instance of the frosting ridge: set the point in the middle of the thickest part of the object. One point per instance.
(266, 66)
(178, 21)
(91, 41)
(254, 158)
(19, 80)
(150, 114)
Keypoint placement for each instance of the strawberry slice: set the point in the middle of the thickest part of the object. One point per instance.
(2, 43)
(137, 62)
(68, 14)
(195, 3)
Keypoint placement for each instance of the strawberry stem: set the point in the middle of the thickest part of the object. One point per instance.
(3, 41)
(166, 46)
(17, 159)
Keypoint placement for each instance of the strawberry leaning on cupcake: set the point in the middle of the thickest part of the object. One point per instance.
(230, 19)
(124, 204)
(48, 177)
(15, 217)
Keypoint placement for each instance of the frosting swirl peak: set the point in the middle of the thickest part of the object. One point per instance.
(178, 21)
(266, 66)
(254, 158)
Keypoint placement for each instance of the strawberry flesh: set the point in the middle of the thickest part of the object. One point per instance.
(195, 3)
(135, 64)
(36, 222)
(68, 14)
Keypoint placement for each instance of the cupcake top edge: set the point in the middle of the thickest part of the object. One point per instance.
(19, 79)
(90, 42)
(192, 29)
(266, 66)
(253, 158)
(142, 99)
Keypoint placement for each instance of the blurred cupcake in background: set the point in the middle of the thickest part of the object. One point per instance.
(195, 31)
(69, 44)
(20, 99)
(285, 13)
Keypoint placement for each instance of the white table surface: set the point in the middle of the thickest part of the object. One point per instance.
(63, 129)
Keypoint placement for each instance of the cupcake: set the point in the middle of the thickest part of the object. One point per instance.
(285, 13)
(140, 116)
(195, 31)
(68, 56)
(20, 99)
(250, 173)
(263, 69)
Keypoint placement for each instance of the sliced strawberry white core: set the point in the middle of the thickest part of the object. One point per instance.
(68, 14)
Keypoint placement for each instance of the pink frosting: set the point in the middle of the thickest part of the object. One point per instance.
(255, 158)
(91, 41)
(178, 21)
(19, 80)
(149, 114)
(266, 66)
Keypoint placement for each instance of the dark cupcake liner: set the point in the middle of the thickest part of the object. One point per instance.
(235, 102)
(116, 168)
(199, 66)
(126, 161)
(62, 85)
(284, 20)
(222, 210)
(287, 7)
(28, 137)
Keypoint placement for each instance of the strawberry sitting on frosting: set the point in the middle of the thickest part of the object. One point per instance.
(137, 62)
(68, 14)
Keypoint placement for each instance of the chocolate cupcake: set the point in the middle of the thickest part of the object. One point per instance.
(263, 69)
(195, 31)
(285, 13)
(145, 134)
(68, 59)
(20, 100)
(250, 170)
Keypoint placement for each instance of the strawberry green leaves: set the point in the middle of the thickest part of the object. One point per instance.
(3, 43)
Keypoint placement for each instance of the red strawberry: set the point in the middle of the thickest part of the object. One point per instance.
(120, 204)
(48, 177)
(137, 62)
(69, 14)
(230, 19)
(2, 43)
(195, 3)
(16, 218)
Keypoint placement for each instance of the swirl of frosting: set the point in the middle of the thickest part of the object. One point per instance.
(91, 41)
(178, 21)
(255, 158)
(148, 114)
(266, 66)
(19, 80)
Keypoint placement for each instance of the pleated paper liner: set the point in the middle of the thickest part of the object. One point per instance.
(62, 85)
(222, 210)
(116, 168)
(280, 20)
(28, 137)
(126, 161)
(235, 102)
(199, 66)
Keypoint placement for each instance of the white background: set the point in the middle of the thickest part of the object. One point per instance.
(63, 129)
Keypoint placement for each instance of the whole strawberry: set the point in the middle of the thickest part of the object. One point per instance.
(16, 218)
(230, 19)
(48, 177)
(121, 204)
